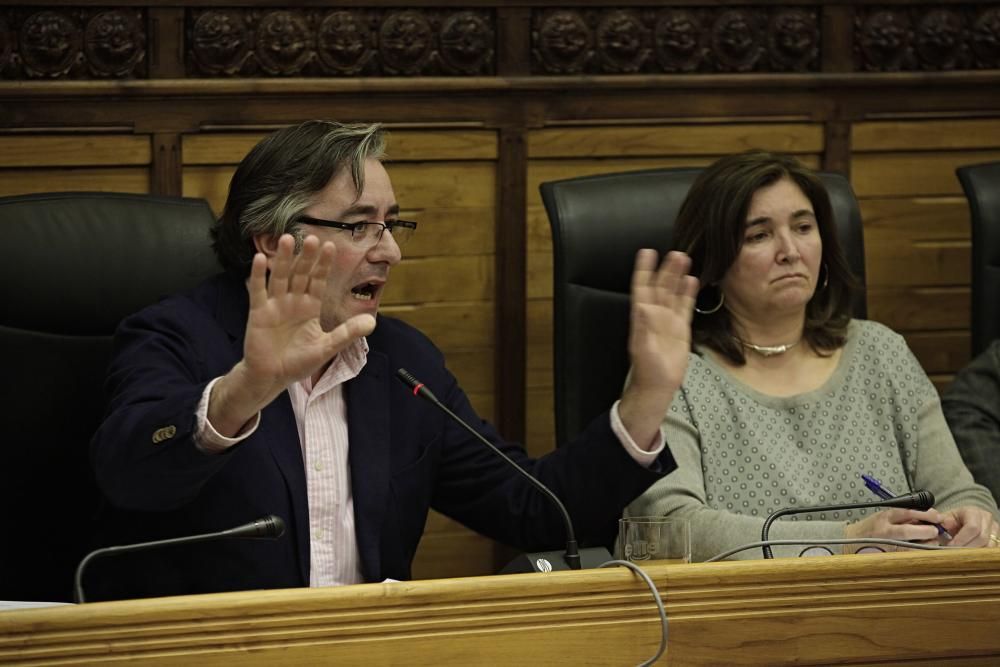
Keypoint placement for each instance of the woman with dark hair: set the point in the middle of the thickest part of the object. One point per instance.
(787, 400)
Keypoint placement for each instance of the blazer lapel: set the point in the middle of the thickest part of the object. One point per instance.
(278, 428)
(283, 441)
(367, 398)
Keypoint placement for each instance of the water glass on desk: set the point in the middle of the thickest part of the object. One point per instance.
(643, 538)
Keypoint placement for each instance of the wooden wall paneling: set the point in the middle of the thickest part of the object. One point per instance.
(836, 40)
(74, 150)
(714, 139)
(449, 549)
(514, 33)
(75, 160)
(927, 134)
(510, 297)
(98, 179)
(926, 218)
(837, 144)
(436, 279)
(693, 98)
(921, 241)
(538, 391)
(894, 264)
(450, 231)
(208, 182)
(453, 326)
(466, 189)
(167, 168)
(940, 352)
(219, 148)
(403, 145)
(78, 159)
(456, 173)
(417, 186)
(901, 174)
(917, 239)
(166, 45)
(510, 326)
(914, 309)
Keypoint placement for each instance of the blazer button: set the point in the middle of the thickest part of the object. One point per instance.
(164, 433)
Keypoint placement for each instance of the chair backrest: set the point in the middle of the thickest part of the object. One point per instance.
(981, 183)
(598, 224)
(74, 265)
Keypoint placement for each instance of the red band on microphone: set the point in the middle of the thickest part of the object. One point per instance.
(417, 389)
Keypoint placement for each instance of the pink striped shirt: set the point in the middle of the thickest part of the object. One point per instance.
(321, 418)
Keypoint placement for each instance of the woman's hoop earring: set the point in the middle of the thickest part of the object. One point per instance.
(722, 300)
(826, 278)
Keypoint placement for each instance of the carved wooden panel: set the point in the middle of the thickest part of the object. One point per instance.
(224, 42)
(675, 39)
(72, 43)
(901, 38)
(84, 42)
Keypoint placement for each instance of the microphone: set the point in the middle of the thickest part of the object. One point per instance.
(573, 558)
(917, 500)
(270, 527)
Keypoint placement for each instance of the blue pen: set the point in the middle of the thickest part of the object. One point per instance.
(885, 494)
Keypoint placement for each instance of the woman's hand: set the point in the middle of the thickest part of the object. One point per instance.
(971, 527)
(659, 341)
(895, 524)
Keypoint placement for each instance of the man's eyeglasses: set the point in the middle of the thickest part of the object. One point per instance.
(368, 234)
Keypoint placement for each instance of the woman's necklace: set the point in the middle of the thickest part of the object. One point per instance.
(769, 350)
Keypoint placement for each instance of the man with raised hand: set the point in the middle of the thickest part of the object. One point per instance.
(269, 389)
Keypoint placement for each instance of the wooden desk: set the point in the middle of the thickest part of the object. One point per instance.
(906, 608)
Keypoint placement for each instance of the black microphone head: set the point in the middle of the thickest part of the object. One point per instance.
(274, 525)
(924, 500)
(407, 379)
(915, 500)
(270, 527)
(418, 387)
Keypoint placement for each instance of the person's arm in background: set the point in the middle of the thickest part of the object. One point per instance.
(972, 408)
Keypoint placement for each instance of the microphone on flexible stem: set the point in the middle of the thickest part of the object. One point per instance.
(917, 500)
(573, 557)
(270, 527)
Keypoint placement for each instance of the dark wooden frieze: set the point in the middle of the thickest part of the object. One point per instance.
(912, 38)
(676, 40)
(72, 43)
(239, 42)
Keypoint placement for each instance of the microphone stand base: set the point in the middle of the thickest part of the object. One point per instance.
(549, 561)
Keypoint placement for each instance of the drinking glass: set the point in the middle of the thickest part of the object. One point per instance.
(642, 538)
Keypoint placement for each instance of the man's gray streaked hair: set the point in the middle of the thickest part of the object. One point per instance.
(278, 178)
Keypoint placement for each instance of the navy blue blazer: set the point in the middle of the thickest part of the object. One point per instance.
(405, 458)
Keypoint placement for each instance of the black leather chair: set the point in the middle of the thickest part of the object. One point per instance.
(74, 265)
(598, 224)
(981, 183)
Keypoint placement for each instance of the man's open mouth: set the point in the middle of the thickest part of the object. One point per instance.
(364, 291)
